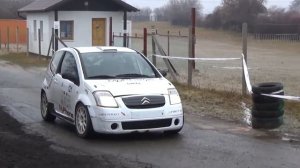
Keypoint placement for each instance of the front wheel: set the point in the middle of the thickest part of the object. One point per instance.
(46, 109)
(83, 122)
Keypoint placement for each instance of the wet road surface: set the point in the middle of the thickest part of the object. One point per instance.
(202, 143)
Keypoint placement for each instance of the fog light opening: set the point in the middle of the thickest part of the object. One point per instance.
(176, 121)
(114, 126)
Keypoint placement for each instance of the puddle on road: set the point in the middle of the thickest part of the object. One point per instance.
(263, 133)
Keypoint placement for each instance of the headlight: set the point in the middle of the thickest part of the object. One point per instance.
(174, 96)
(105, 99)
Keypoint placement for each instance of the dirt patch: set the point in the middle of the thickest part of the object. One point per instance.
(18, 149)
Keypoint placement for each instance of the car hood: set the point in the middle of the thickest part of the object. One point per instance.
(123, 87)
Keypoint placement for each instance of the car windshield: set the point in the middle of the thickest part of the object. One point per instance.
(110, 65)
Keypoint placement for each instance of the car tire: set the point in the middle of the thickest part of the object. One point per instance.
(266, 123)
(83, 123)
(267, 88)
(268, 106)
(46, 109)
(257, 98)
(267, 113)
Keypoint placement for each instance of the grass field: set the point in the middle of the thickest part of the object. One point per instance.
(268, 61)
(218, 84)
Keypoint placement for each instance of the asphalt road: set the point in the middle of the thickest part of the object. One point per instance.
(202, 143)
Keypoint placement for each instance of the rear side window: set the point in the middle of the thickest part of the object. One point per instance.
(55, 61)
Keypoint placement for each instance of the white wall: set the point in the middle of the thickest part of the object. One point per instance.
(33, 43)
(82, 28)
(83, 25)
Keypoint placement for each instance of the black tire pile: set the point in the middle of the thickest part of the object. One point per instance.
(267, 112)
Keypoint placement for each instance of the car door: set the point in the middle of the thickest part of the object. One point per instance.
(70, 85)
(54, 78)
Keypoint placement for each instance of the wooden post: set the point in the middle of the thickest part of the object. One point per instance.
(193, 35)
(56, 31)
(190, 62)
(110, 32)
(167, 61)
(169, 43)
(50, 44)
(53, 41)
(153, 46)
(125, 29)
(145, 41)
(7, 38)
(0, 40)
(39, 40)
(27, 47)
(17, 38)
(244, 35)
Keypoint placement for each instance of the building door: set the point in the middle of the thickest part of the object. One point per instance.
(99, 32)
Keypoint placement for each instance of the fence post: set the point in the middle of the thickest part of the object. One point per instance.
(0, 40)
(193, 17)
(168, 42)
(27, 46)
(190, 62)
(17, 38)
(153, 46)
(53, 41)
(244, 35)
(145, 41)
(7, 38)
(39, 38)
(110, 32)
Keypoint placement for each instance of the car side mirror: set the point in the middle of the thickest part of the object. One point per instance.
(70, 76)
(164, 73)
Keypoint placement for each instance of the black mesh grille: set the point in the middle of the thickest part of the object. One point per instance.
(142, 102)
(146, 124)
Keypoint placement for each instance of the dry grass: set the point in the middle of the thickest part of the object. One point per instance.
(24, 61)
(208, 102)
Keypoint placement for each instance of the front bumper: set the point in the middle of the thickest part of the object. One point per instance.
(128, 126)
(124, 120)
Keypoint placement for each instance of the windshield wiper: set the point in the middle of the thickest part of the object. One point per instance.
(133, 76)
(102, 77)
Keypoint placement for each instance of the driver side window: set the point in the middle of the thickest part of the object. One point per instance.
(69, 67)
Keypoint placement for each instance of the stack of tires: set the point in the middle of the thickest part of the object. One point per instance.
(267, 112)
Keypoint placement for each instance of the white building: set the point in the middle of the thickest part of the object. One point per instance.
(153, 17)
(78, 22)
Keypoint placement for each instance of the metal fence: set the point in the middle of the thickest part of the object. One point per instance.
(278, 37)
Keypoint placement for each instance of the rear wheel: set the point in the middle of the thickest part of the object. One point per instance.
(83, 122)
(46, 109)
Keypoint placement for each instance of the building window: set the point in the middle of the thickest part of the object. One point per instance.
(67, 30)
(42, 30)
(34, 30)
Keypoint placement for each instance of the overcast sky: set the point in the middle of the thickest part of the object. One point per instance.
(208, 5)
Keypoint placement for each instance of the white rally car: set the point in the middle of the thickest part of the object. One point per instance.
(109, 90)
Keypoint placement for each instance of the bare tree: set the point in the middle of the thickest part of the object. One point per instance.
(295, 5)
(232, 13)
(9, 8)
(142, 15)
(179, 11)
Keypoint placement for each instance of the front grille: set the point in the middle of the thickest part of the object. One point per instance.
(146, 124)
(142, 102)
